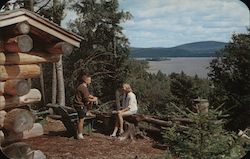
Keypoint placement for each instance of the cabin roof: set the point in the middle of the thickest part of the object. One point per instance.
(40, 26)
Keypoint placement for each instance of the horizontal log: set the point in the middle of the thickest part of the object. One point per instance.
(61, 48)
(19, 72)
(18, 120)
(149, 128)
(19, 150)
(22, 28)
(11, 137)
(14, 30)
(14, 87)
(21, 43)
(28, 58)
(1, 137)
(33, 96)
(157, 121)
(2, 117)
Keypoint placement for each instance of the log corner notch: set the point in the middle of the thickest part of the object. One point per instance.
(61, 48)
(14, 87)
(22, 28)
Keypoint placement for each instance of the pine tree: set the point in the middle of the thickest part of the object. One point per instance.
(104, 49)
(204, 138)
(230, 73)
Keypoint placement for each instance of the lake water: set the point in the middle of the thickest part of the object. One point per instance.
(189, 65)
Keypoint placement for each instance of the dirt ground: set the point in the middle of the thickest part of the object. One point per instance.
(94, 146)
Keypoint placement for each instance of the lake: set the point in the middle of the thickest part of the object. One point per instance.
(189, 65)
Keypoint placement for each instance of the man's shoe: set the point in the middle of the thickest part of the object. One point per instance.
(80, 137)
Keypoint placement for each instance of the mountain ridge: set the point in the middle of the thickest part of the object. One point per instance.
(195, 49)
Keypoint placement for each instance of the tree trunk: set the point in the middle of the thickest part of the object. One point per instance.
(19, 72)
(29, 5)
(14, 87)
(54, 85)
(14, 101)
(21, 43)
(27, 58)
(18, 120)
(42, 85)
(60, 80)
(59, 66)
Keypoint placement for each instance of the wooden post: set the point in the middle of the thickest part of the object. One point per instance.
(14, 87)
(33, 96)
(21, 43)
(201, 105)
(19, 72)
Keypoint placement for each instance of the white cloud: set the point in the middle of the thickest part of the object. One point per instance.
(183, 21)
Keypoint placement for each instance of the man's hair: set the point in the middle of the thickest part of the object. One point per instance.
(127, 87)
(83, 74)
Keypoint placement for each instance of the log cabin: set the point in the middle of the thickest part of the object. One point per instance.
(26, 40)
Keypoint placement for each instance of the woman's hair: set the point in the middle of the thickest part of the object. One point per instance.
(127, 87)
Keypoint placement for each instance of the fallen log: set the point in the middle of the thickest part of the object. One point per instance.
(14, 87)
(33, 96)
(157, 121)
(18, 120)
(149, 128)
(35, 131)
(28, 58)
(21, 43)
(61, 48)
(19, 72)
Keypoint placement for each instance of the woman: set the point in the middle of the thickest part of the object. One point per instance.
(129, 105)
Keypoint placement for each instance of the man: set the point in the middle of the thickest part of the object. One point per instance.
(129, 105)
(83, 101)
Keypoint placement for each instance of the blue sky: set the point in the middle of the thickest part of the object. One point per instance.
(167, 23)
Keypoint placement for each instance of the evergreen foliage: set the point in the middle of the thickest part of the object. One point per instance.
(230, 73)
(104, 49)
(204, 138)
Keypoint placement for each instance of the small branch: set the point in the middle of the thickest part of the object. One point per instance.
(43, 6)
